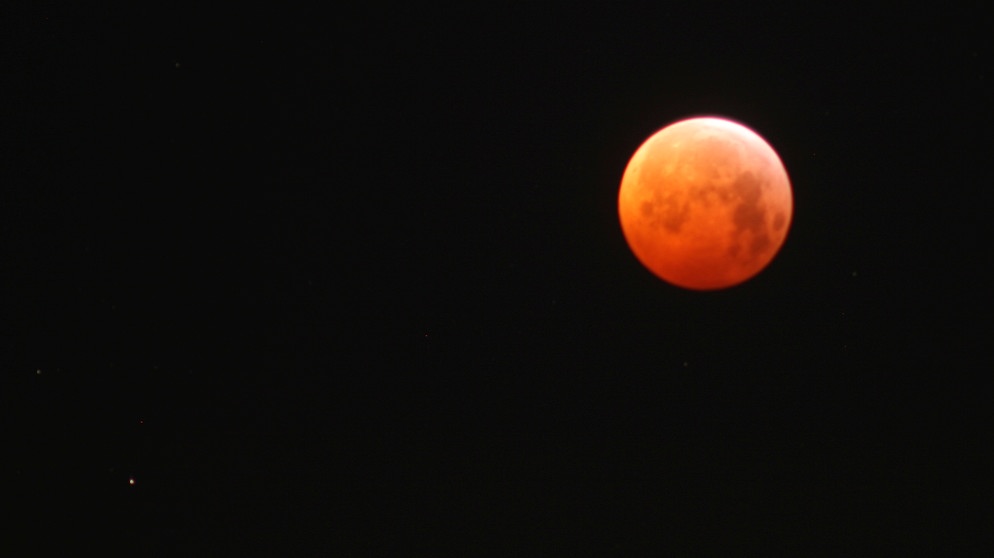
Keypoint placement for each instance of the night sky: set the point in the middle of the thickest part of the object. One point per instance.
(351, 282)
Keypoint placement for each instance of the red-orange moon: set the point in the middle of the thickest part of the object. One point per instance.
(705, 203)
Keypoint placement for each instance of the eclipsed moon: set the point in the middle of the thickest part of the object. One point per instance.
(705, 203)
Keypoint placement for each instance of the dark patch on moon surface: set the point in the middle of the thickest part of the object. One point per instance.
(750, 214)
(665, 214)
(779, 221)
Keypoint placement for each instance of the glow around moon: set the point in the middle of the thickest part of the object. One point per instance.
(705, 203)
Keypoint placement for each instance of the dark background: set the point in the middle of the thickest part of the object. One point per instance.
(351, 282)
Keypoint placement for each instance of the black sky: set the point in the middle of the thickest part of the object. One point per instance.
(352, 280)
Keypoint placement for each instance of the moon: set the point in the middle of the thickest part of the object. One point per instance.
(705, 203)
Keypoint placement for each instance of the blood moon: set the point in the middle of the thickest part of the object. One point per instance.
(705, 203)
